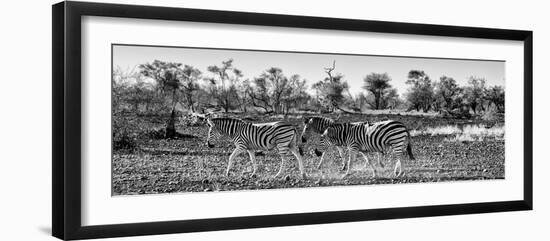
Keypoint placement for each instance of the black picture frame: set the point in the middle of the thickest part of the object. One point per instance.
(66, 127)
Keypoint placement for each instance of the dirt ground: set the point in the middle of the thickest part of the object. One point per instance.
(186, 164)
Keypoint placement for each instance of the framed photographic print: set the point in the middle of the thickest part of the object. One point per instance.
(171, 120)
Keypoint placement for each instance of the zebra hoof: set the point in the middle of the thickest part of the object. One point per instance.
(318, 153)
(344, 176)
(253, 175)
(286, 178)
(304, 176)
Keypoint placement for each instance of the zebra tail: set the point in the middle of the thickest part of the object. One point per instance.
(409, 148)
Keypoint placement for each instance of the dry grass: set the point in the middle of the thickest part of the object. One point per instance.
(467, 133)
(401, 112)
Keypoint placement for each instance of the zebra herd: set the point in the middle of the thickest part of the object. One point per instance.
(359, 137)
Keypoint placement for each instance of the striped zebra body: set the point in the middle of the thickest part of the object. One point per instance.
(249, 137)
(319, 125)
(391, 136)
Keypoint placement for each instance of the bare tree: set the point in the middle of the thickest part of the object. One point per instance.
(223, 87)
(269, 90)
(332, 89)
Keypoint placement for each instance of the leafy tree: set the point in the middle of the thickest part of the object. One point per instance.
(172, 79)
(167, 75)
(378, 85)
(421, 91)
(190, 85)
(391, 99)
(475, 93)
(446, 93)
(495, 95)
(361, 101)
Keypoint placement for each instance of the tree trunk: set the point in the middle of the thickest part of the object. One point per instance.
(171, 125)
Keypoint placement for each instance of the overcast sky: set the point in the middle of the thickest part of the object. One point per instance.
(311, 66)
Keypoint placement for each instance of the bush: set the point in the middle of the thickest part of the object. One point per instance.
(492, 115)
(123, 136)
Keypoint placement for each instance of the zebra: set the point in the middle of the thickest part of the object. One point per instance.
(318, 125)
(377, 137)
(249, 137)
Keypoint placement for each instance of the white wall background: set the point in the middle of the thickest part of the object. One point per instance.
(25, 123)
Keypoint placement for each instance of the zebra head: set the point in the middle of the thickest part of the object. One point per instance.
(307, 122)
(316, 124)
(213, 132)
(324, 143)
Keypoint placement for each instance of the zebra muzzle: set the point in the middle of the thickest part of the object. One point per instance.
(318, 153)
(210, 145)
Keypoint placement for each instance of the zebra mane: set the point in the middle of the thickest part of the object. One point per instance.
(309, 118)
(228, 119)
(317, 118)
(221, 124)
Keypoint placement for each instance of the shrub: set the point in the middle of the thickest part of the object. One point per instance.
(123, 136)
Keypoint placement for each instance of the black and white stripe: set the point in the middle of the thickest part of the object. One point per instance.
(249, 137)
(318, 125)
(391, 136)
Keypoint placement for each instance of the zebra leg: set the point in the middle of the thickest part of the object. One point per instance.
(397, 166)
(253, 159)
(321, 161)
(300, 163)
(368, 164)
(352, 155)
(341, 152)
(281, 168)
(235, 153)
(380, 159)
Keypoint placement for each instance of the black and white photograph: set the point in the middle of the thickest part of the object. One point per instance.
(191, 119)
(294, 120)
